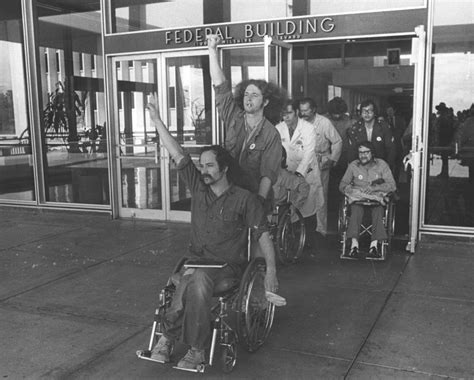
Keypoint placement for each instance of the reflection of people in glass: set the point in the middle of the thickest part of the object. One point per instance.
(465, 141)
(444, 133)
(250, 136)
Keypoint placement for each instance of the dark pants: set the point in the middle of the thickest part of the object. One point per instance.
(357, 214)
(189, 317)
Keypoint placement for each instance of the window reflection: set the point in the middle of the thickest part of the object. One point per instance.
(73, 104)
(450, 189)
(16, 172)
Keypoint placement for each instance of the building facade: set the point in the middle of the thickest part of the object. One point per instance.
(76, 75)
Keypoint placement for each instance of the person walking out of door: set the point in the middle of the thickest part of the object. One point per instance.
(369, 128)
(250, 136)
(327, 150)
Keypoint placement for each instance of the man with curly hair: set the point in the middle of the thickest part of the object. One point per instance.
(250, 136)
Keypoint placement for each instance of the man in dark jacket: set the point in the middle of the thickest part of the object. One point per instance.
(369, 128)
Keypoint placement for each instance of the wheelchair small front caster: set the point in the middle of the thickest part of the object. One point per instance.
(228, 357)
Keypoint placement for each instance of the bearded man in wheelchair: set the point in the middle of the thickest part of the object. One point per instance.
(367, 183)
(221, 215)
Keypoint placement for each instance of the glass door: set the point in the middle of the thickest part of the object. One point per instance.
(187, 98)
(415, 156)
(148, 183)
(137, 149)
(277, 61)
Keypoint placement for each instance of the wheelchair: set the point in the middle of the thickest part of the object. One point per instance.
(366, 228)
(288, 232)
(241, 314)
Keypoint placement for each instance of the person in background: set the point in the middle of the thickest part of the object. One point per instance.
(337, 114)
(327, 150)
(289, 181)
(368, 128)
(397, 125)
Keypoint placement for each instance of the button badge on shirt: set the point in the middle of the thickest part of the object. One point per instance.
(252, 146)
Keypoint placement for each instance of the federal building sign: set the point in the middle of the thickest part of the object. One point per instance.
(294, 28)
(252, 32)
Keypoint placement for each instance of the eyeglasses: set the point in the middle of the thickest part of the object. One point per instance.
(367, 111)
(364, 151)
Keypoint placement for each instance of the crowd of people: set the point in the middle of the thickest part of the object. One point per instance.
(236, 186)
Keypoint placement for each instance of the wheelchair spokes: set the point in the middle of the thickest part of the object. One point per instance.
(291, 235)
(255, 313)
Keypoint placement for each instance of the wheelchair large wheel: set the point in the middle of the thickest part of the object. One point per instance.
(291, 236)
(254, 312)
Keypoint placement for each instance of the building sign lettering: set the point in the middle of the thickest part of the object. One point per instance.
(250, 32)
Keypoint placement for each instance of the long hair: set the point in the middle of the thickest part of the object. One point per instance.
(275, 95)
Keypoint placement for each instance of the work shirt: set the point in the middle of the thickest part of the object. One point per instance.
(219, 224)
(260, 155)
(361, 176)
(328, 141)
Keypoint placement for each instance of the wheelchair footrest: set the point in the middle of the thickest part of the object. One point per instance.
(200, 368)
(146, 355)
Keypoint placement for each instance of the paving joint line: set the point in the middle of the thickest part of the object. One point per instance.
(382, 309)
(87, 267)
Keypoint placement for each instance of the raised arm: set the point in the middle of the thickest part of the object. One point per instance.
(170, 143)
(217, 75)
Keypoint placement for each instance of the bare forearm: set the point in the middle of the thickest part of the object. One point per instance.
(264, 187)
(176, 151)
(268, 251)
(217, 74)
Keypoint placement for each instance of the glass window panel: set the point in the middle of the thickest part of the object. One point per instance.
(16, 171)
(331, 6)
(189, 116)
(140, 170)
(148, 14)
(450, 169)
(75, 142)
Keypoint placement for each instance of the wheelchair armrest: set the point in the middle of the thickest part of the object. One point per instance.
(393, 196)
(204, 263)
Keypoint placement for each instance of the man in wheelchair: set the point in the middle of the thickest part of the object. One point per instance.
(367, 178)
(221, 214)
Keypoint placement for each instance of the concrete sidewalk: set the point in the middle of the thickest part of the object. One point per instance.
(78, 293)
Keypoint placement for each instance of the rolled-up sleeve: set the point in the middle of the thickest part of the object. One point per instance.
(225, 103)
(189, 173)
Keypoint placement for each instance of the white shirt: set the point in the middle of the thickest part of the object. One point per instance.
(299, 147)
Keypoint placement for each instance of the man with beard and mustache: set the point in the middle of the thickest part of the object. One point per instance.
(250, 135)
(327, 150)
(367, 178)
(221, 214)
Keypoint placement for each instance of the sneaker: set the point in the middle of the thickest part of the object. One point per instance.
(192, 360)
(354, 253)
(162, 350)
(374, 253)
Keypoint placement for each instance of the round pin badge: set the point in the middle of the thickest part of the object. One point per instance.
(252, 146)
(379, 138)
(360, 176)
